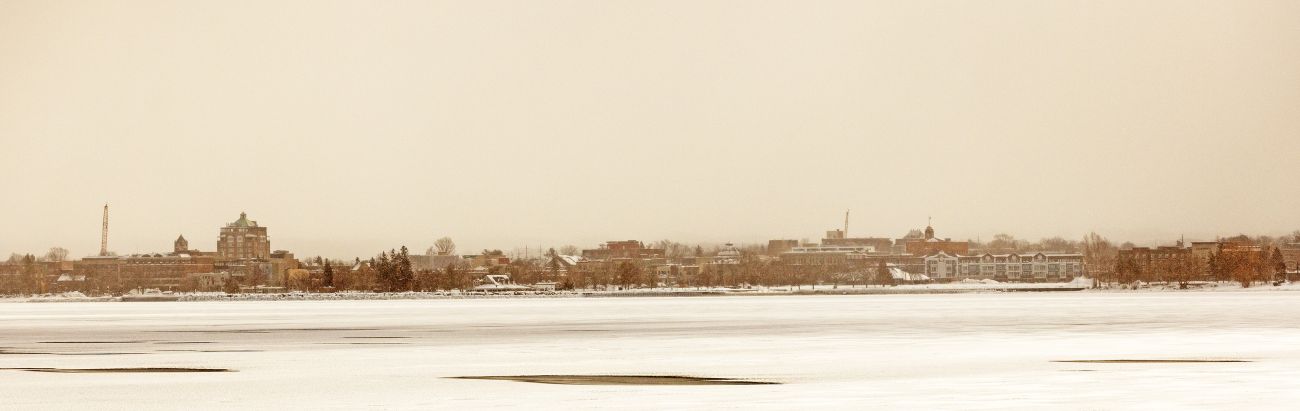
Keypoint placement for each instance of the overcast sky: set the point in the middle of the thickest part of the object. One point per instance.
(350, 127)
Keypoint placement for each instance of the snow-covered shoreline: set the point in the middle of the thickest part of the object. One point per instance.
(949, 288)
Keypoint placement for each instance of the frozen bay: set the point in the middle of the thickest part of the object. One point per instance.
(967, 351)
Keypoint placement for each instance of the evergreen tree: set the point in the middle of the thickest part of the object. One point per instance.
(327, 275)
(1278, 264)
(883, 276)
(231, 286)
(383, 271)
(449, 278)
(403, 276)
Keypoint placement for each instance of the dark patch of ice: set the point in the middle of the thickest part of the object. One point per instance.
(618, 380)
(211, 350)
(1141, 361)
(364, 343)
(94, 342)
(122, 370)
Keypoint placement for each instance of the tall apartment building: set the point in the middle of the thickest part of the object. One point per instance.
(243, 239)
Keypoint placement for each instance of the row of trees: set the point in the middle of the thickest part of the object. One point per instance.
(28, 277)
(391, 271)
(748, 271)
(1246, 265)
(54, 254)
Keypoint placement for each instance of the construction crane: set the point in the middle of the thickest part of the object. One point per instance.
(103, 237)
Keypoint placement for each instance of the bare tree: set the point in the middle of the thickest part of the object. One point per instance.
(1004, 242)
(1057, 244)
(56, 254)
(1241, 266)
(629, 274)
(299, 280)
(1099, 258)
(1181, 269)
(445, 246)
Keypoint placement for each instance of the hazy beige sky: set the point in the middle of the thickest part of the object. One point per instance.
(347, 127)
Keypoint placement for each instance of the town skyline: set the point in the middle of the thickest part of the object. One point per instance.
(199, 240)
(538, 124)
(648, 204)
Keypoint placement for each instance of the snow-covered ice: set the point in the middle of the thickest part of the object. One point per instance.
(964, 351)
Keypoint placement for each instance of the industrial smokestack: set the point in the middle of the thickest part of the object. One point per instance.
(846, 223)
(103, 237)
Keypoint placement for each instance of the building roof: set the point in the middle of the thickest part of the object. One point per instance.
(70, 277)
(1007, 255)
(569, 260)
(243, 221)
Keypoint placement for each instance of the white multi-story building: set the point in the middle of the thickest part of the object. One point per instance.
(1004, 267)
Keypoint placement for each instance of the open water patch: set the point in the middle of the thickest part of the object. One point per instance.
(618, 380)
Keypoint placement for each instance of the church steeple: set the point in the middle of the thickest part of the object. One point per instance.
(181, 245)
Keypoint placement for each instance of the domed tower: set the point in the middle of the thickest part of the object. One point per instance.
(929, 230)
(181, 245)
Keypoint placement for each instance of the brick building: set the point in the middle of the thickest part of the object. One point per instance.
(161, 271)
(622, 249)
(840, 238)
(243, 239)
(930, 245)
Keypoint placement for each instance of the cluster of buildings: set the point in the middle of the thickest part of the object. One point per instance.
(928, 258)
(1152, 259)
(243, 253)
(922, 257)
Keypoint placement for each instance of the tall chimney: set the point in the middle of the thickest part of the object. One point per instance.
(846, 223)
(103, 237)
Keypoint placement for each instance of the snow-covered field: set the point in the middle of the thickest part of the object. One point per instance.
(963, 351)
